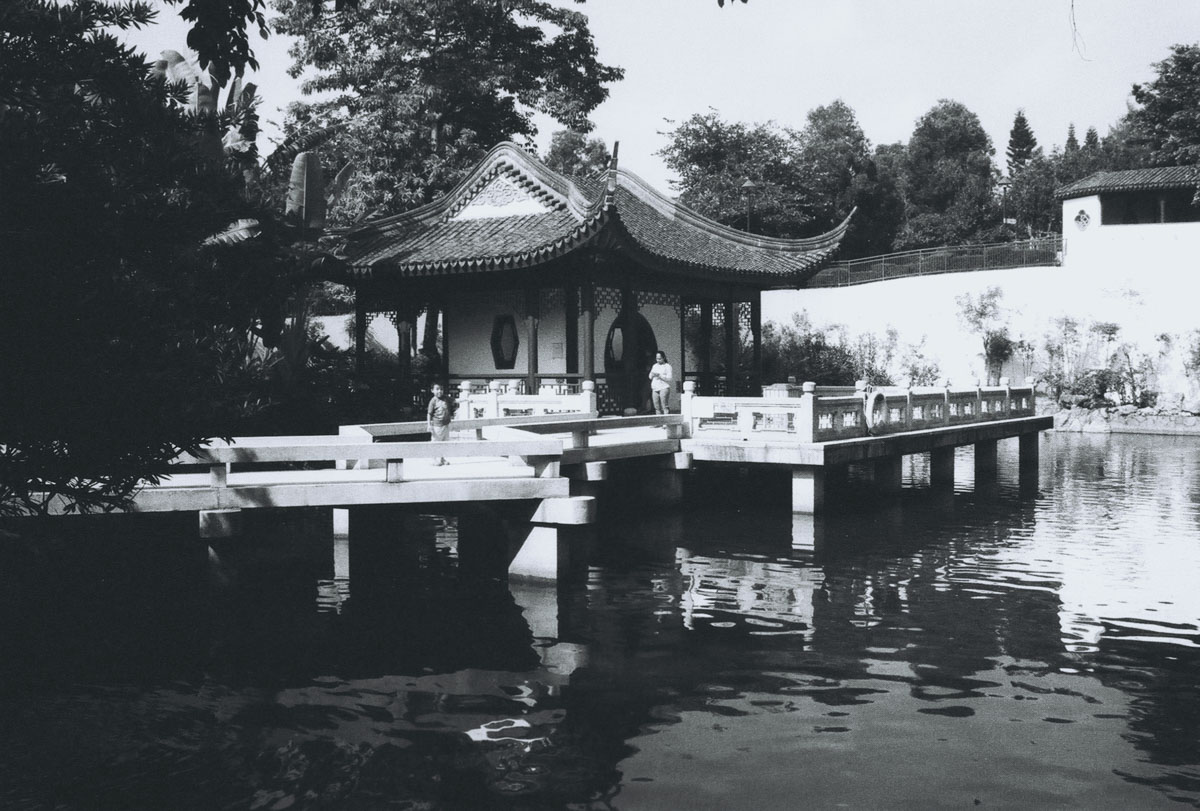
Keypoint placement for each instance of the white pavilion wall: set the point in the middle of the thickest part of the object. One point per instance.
(552, 333)
(469, 320)
(468, 324)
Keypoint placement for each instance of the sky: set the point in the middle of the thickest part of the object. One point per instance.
(891, 61)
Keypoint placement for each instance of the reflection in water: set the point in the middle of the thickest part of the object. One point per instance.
(995, 645)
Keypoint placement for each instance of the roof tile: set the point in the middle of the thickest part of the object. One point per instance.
(1161, 177)
(432, 240)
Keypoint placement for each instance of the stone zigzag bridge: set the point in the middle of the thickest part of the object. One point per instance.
(554, 452)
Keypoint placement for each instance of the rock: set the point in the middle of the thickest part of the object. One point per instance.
(1126, 410)
(1170, 402)
(1191, 405)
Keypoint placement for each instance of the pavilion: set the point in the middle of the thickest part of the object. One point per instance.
(546, 280)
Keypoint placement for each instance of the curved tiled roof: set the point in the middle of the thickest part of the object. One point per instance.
(1162, 177)
(512, 211)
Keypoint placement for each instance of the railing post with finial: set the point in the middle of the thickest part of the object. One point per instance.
(808, 411)
(685, 406)
(588, 393)
(493, 406)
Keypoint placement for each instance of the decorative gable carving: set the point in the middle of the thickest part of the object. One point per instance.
(501, 197)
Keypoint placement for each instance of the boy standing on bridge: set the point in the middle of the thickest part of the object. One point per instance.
(439, 414)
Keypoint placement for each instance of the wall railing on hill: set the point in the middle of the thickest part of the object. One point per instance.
(930, 261)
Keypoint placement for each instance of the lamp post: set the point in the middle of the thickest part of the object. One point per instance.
(1004, 185)
(747, 188)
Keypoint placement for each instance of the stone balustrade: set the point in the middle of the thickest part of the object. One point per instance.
(506, 400)
(810, 413)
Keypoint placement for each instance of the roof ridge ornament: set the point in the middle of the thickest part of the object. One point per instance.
(611, 190)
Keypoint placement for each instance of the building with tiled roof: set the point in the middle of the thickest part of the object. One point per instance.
(553, 279)
(1131, 217)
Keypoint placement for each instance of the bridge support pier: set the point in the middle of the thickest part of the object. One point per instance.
(808, 489)
(941, 468)
(543, 608)
(1027, 462)
(557, 524)
(889, 473)
(808, 532)
(220, 524)
(985, 459)
(586, 478)
(663, 483)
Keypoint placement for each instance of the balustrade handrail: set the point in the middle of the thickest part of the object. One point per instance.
(337, 449)
(924, 261)
(813, 417)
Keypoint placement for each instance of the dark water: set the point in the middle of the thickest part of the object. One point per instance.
(1004, 646)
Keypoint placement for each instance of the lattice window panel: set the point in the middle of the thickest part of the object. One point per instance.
(671, 300)
(745, 316)
(552, 299)
(718, 315)
(606, 401)
(608, 298)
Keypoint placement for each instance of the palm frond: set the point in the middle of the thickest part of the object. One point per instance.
(238, 232)
(338, 186)
(286, 152)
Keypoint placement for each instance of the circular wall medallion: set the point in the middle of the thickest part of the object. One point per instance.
(1082, 219)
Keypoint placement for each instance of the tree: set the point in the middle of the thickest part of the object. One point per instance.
(1021, 143)
(799, 352)
(220, 34)
(1072, 144)
(573, 153)
(986, 316)
(1124, 147)
(949, 179)
(1031, 196)
(1168, 115)
(836, 168)
(421, 88)
(117, 329)
(714, 159)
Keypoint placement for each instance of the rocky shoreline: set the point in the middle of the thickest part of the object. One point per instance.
(1128, 419)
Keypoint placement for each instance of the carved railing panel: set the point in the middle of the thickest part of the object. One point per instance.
(833, 413)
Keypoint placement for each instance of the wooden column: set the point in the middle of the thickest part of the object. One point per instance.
(730, 350)
(405, 328)
(360, 332)
(681, 365)
(705, 348)
(532, 316)
(632, 349)
(587, 306)
(756, 331)
(445, 339)
(572, 327)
